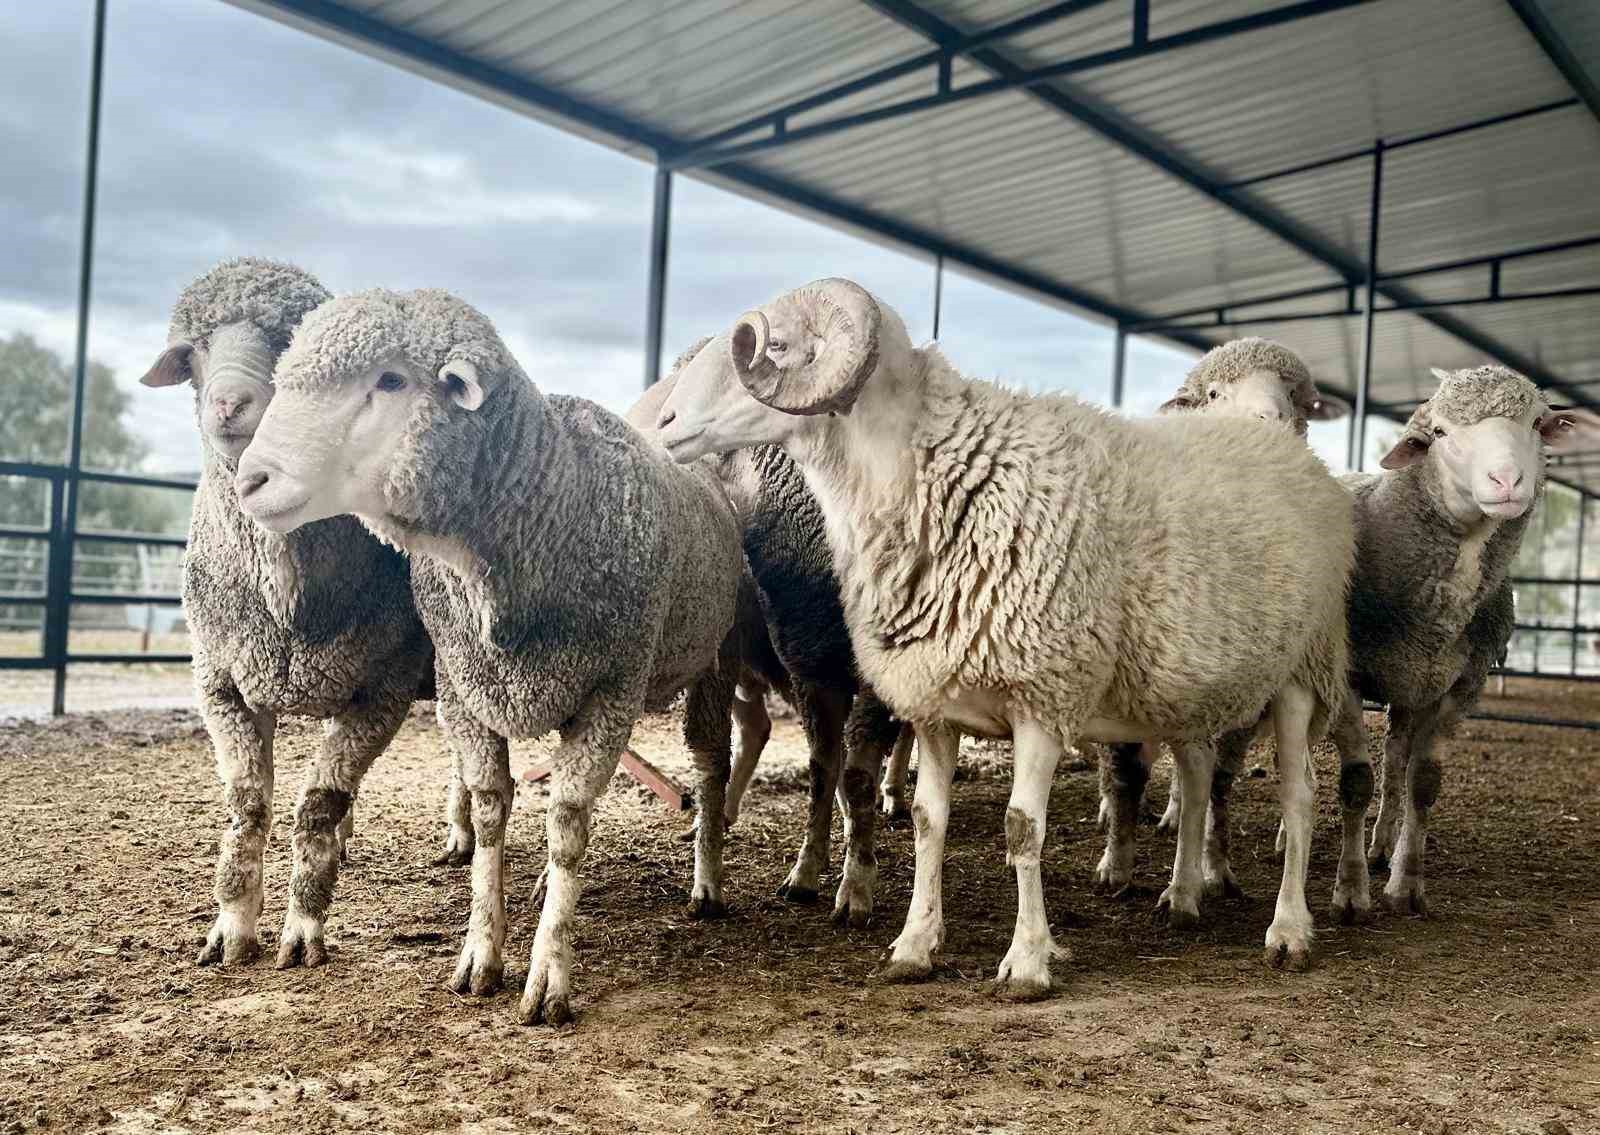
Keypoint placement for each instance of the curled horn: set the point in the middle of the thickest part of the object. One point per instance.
(842, 320)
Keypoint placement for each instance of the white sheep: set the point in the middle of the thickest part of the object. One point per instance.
(1031, 567)
(569, 574)
(1247, 378)
(319, 622)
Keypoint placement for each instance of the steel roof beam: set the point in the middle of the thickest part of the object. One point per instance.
(712, 151)
(1415, 140)
(1159, 152)
(326, 17)
(1556, 49)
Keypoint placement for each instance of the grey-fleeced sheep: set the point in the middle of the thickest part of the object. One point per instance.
(1430, 605)
(1244, 378)
(569, 574)
(800, 647)
(316, 622)
(1031, 567)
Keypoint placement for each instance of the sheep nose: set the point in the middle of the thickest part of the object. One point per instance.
(247, 484)
(1506, 478)
(666, 419)
(228, 407)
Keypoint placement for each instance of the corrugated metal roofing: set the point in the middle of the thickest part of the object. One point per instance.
(1049, 184)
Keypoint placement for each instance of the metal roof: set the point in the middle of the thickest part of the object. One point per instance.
(1175, 160)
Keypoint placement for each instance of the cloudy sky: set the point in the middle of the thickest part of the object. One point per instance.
(225, 134)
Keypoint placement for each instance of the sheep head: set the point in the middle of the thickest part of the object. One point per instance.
(228, 328)
(379, 394)
(1482, 438)
(1255, 378)
(810, 352)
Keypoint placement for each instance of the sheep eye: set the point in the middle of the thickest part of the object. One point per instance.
(777, 347)
(1438, 431)
(1214, 394)
(389, 381)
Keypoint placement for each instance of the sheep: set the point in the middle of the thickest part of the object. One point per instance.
(797, 644)
(318, 623)
(1430, 604)
(1251, 378)
(569, 574)
(1030, 567)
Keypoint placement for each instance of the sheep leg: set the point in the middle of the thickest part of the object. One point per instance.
(1170, 821)
(869, 733)
(351, 741)
(1129, 772)
(1179, 904)
(1404, 892)
(1290, 935)
(484, 758)
(458, 843)
(1216, 867)
(1025, 970)
(591, 745)
(752, 729)
(822, 713)
(896, 796)
(1352, 900)
(242, 738)
(1396, 752)
(911, 956)
(707, 729)
(347, 831)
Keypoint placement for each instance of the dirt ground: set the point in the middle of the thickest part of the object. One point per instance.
(1485, 1017)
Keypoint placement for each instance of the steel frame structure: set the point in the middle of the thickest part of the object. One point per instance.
(723, 152)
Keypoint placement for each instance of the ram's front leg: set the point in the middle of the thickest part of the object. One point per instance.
(911, 956)
(350, 743)
(1193, 764)
(590, 748)
(485, 762)
(1123, 778)
(1025, 971)
(242, 739)
(869, 733)
(822, 714)
(707, 732)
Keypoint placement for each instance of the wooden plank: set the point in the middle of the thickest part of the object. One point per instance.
(658, 782)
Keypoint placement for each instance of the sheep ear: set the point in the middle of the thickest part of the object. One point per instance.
(460, 378)
(1176, 404)
(1567, 429)
(1328, 408)
(171, 366)
(1407, 451)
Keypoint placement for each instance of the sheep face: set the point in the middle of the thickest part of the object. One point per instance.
(228, 328)
(1482, 434)
(355, 405)
(1255, 378)
(806, 354)
(231, 373)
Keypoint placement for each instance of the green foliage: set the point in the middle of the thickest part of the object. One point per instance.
(36, 421)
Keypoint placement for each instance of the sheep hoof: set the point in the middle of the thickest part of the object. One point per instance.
(1173, 915)
(554, 1011)
(704, 907)
(1018, 991)
(1291, 959)
(478, 977)
(1349, 910)
(226, 945)
(904, 972)
(1130, 892)
(793, 892)
(301, 943)
(1409, 900)
(1167, 824)
(852, 913)
(1223, 886)
(452, 856)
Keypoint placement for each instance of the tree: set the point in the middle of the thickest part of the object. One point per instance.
(35, 422)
